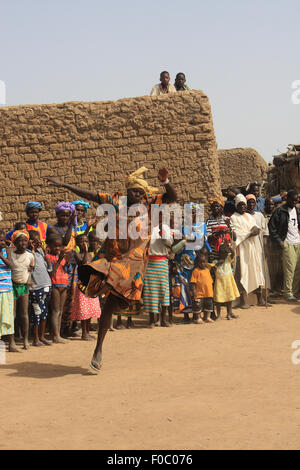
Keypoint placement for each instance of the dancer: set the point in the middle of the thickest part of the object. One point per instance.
(120, 271)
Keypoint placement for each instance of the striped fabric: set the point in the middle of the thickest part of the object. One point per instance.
(211, 224)
(5, 275)
(156, 286)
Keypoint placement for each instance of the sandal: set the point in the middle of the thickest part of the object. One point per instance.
(95, 366)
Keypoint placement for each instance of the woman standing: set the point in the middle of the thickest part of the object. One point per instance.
(249, 269)
(120, 272)
(156, 293)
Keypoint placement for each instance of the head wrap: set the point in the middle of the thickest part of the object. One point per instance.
(219, 200)
(33, 205)
(136, 180)
(79, 202)
(65, 206)
(239, 198)
(250, 196)
(18, 233)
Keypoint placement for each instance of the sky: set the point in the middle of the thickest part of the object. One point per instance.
(243, 54)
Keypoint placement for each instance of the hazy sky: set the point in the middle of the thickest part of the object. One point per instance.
(243, 54)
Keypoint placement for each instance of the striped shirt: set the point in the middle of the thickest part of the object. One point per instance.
(212, 224)
(5, 275)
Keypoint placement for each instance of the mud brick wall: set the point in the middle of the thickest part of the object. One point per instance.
(96, 144)
(239, 166)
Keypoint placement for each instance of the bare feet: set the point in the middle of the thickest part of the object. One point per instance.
(26, 345)
(120, 326)
(86, 338)
(129, 323)
(13, 348)
(59, 340)
(165, 324)
(209, 320)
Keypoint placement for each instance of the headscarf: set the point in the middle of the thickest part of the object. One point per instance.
(79, 202)
(239, 198)
(136, 180)
(66, 206)
(219, 200)
(33, 205)
(250, 196)
(18, 233)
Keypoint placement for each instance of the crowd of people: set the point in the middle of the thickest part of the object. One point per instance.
(55, 279)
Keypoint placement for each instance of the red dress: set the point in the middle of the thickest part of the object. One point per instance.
(85, 307)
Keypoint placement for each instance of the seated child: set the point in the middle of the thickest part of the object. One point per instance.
(202, 290)
(225, 288)
(40, 289)
(23, 264)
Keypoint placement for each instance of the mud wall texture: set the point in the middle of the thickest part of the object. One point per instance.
(239, 166)
(96, 144)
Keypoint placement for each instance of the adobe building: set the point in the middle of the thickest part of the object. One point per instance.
(284, 174)
(240, 166)
(96, 144)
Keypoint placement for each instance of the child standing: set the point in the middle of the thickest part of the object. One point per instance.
(6, 294)
(84, 308)
(23, 264)
(225, 288)
(202, 290)
(40, 289)
(59, 277)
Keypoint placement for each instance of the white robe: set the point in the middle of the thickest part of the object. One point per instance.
(250, 252)
(261, 222)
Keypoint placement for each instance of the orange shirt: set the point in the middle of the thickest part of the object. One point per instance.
(203, 283)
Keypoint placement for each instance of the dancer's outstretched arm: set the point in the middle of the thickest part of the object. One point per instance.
(82, 192)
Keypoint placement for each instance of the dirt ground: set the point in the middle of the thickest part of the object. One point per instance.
(228, 385)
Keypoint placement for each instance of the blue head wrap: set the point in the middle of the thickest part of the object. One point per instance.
(33, 205)
(86, 205)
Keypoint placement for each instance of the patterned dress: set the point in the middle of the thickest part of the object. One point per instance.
(121, 268)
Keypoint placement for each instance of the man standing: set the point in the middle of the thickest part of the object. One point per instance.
(284, 227)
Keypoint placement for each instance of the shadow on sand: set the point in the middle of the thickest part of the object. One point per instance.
(37, 370)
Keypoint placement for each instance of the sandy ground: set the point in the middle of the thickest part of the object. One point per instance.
(229, 385)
